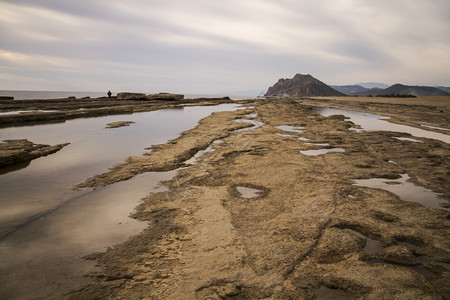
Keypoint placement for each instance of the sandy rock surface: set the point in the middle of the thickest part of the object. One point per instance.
(307, 233)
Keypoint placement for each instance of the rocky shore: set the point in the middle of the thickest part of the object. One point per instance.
(253, 214)
(254, 217)
(14, 152)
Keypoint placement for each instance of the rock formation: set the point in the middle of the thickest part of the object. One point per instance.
(6, 98)
(165, 96)
(131, 96)
(142, 96)
(18, 151)
(119, 124)
(301, 86)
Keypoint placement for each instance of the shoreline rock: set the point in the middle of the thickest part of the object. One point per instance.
(14, 152)
(165, 96)
(206, 241)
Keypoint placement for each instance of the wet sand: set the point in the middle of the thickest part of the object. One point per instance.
(253, 217)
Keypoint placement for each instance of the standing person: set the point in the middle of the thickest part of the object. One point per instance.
(109, 94)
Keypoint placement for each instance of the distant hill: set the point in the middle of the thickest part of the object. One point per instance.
(396, 89)
(418, 91)
(444, 88)
(353, 89)
(251, 93)
(301, 86)
(372, 85)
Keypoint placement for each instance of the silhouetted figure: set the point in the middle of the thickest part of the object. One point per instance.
(109, 94)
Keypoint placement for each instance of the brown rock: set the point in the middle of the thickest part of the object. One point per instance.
(301, 86)
(18, 151)
(131, 96)
(398, 255)
(165, 96)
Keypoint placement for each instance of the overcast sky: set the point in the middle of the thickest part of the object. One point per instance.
(207, 46)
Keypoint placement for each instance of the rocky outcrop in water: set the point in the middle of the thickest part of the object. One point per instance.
(119, 124)
(301, 86)
(18, 151)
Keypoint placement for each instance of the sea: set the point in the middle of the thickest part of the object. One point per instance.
(29, 95)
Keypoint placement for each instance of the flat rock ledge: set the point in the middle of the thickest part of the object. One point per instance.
(18, 151)
(119, 124)
(142, 96)
(302, 237)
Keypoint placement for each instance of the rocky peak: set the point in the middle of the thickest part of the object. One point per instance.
(301, 86)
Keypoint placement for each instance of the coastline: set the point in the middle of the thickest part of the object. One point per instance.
(296, 236)
(306, 231)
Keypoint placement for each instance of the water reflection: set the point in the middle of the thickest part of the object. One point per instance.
(255, 124)
(377, 122)
(247, 192)
(46, 182)
(43, 258)
(371, 246)
(46, 226)
(406, 190)
(289, 128)
(316, 152)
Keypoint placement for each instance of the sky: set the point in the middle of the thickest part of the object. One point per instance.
(210, 47)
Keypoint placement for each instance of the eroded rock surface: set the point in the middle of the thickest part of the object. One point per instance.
(303, 237)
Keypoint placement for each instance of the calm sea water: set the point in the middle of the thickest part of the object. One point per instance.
(28, 95)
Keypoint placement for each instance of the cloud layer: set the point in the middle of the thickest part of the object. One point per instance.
(202, 46)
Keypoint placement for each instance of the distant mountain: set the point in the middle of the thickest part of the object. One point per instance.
(444, 88)
(418, 91)
(252, 93)
(396, 89)
(301, 86)
(371, 85)
(349, 89)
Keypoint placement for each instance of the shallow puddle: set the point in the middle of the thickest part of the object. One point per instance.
(319, 144)
(321, 151)
(43, 258)
(406, 190)
(408, 139)
(377, 122)
(253, 115)
(286, 135)
(434, 127)
(255, 123)
(247, 192)
(371, 247)
(289, 128)
(195, 158)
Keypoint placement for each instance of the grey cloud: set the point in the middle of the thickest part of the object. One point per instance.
(204, 45)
